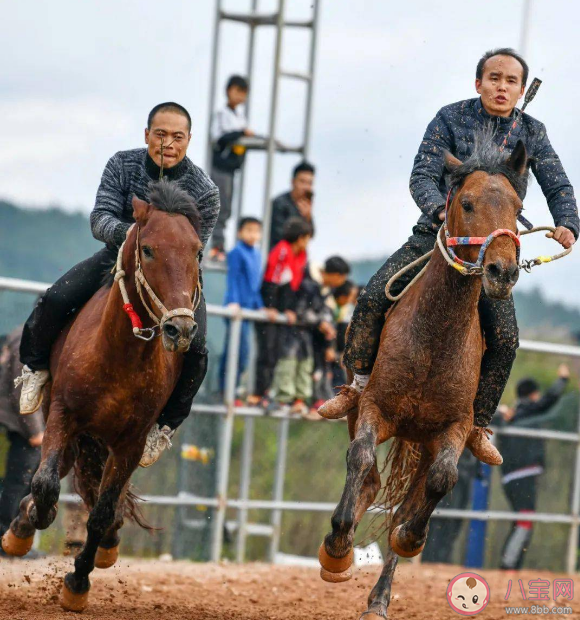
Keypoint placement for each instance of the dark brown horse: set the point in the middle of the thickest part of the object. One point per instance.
(108, 387)
(425, 378)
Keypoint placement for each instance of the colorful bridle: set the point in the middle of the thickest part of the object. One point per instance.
(465, 267)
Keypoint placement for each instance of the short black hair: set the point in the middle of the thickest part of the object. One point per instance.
(303, 166)
(171, 106)
(239, 81)
(295, 228)
(502, 51)
(526, 387)
(337, 264)
(248, 220)
(344, 290)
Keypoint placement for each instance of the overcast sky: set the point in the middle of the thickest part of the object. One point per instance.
(78, 79)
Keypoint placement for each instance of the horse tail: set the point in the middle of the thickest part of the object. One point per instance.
(90, 457)
(401, 462)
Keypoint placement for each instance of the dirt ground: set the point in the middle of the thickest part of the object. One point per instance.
(140, 590)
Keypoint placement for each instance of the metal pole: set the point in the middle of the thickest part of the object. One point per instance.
(213, 80)
(245, 478)
(280, 474)
(272, 135)
(225, 443)
(575, 512)
(525, 31)
(310, 84)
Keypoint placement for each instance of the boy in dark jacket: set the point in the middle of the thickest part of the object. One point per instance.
(228, 126)
(524, 459)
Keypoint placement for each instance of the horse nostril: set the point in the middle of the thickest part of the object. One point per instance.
(493, 270)
(170, 331)
(194, 329)
(513, 272)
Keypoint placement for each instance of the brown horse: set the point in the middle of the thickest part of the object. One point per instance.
(425, 378)
(109, 387)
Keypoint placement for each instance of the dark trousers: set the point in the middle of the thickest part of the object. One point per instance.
(521, 495)
(68, 294)
(243, 355)
(225, 183)
(267, 336)
(21, 465)
(498, 321)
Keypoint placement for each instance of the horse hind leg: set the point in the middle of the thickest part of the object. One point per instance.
(361, 487)
(408, 538)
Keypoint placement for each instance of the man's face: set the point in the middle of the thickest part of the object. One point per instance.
(173, 128)
(302, 184)
(501, 85)
(236, 96)
(333, 280)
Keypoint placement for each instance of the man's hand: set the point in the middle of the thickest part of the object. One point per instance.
(564, 236)
(291, 316)
(249, 133)
(36, 440)
(563, 371)
(507, 413)
(330, 355)
(328, 330)
(271, 313)
(305, 207)
(442, 215)
(234, 307)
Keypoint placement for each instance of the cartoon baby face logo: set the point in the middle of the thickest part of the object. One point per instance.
(468, 594)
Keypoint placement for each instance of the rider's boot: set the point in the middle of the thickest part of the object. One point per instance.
(32, 383)
(346, 400)
(481, 447)
(158, 440)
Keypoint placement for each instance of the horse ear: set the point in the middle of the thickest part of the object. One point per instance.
(451, 162)
(518, 159)
(141, 210)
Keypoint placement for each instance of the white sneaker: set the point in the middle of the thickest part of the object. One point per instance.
(157, 441)
(32, 384)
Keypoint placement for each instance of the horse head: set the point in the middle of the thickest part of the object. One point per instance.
(485, 205)
(167, 244)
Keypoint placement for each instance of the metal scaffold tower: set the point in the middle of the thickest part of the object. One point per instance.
(202, 533)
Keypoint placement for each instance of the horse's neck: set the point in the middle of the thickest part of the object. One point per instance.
(447, 303)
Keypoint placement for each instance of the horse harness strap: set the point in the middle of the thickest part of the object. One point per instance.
(140, 284)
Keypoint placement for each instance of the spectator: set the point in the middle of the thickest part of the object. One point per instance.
(243, 288)
(24, 434)
(282, 280)
(295, 203)
(343, 296)
(332, 275)
(524, 459)
(229, 125)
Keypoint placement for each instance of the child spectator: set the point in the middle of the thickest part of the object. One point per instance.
(243, 288)
(229, 125)
(342, 315)
(282, 281)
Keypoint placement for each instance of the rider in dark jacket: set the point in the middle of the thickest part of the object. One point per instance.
(501, 77)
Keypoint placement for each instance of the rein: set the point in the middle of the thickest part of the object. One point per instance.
(140, 283)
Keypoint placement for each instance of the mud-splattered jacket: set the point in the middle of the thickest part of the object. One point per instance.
(454, 129)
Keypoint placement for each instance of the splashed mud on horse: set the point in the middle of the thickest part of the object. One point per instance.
(423, 385)
(109, 387)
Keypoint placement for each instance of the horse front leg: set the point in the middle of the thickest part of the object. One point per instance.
(38, 509)
(118, 470)
(408, 538)
(336, 553)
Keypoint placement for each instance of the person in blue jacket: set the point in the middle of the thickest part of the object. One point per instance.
(244, 279)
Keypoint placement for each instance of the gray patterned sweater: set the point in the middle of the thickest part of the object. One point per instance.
(454, 129)
(129, 173)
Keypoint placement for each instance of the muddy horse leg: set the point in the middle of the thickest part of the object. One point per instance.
(408, 538)
(118, 470)
(38, 509)
(336, 552)
(108, 550)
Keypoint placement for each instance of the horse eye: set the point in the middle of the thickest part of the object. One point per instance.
(467, 206)
(475, 599)
(147, 252)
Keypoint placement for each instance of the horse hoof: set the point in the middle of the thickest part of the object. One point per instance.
(334, 565)
(70, 601)
(398, 546)
(36, 521)
(12, 545)
(105, 558)
(335, 577)
(369, 615)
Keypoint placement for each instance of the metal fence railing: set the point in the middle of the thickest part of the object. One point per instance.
(221, 502)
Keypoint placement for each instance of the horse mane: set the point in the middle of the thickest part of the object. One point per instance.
(487, 157)
(165, 196)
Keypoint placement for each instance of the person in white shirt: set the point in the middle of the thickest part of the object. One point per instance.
(228, 126)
